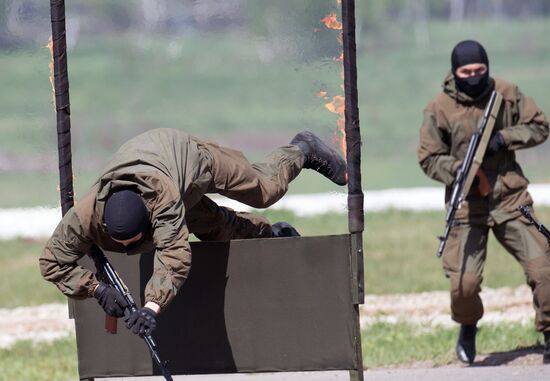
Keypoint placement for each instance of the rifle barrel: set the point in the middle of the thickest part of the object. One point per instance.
(116, 282)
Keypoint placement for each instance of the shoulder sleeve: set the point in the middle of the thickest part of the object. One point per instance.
(58, 262)
(435, 146)
(172, 260)
(529, 126)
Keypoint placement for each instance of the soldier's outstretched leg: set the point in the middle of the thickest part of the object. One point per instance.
(211, 222)
(320, 157)
(261, 184)
(283, 229)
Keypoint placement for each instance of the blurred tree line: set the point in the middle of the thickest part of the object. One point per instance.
(26, 21)
(374, 13)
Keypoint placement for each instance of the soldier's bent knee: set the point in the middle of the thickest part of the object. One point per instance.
(538, 270)
(466, 285)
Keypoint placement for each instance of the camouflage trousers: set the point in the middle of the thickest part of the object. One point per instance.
(259, 185)
(464, 259)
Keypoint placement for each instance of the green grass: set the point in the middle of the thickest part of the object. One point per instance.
(40, 362)
(393, 241)
(384, 345)
(398, 78)
(20, 279)
(391, 344)
(31, 189)
(216, 86)
(397, 240)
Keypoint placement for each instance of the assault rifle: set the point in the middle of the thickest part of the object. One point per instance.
(540, 227)
(108, 272)
(471, 165)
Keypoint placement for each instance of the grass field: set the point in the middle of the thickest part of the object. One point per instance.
(393, 241)
(383, 345)
(130, 83)
(389, 344)
(400, 258)
(26, 361)
(215, 86)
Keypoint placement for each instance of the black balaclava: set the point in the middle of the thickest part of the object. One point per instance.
(125, 215)
(469, 52)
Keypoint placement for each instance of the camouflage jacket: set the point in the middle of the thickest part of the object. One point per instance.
(451, 118)
(171, 172)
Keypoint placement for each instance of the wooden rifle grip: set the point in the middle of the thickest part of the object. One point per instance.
(111, 324)
(483, 187)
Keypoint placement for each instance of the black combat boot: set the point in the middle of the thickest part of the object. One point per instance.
(320, 157)
(283, 229)
(546, 353)
(466, 343)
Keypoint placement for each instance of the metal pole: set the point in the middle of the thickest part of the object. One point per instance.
(62, 108)
(353, 139)
(353, 158)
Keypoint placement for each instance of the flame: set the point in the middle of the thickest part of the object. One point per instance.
(49, 45)
(332, 22)
(337, 104)
(322, 94)
(340, 135)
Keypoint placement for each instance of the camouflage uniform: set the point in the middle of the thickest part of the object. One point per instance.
(449, 121)
(172, 171)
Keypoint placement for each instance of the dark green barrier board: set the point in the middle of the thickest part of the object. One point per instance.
(248, 306)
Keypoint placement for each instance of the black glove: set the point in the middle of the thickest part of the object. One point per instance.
(495, 144)
(142, 321)
(283, 229)
(110, 300)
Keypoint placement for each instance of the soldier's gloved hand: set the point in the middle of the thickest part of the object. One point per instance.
(283, 229)
(110, 300)
(142, 321)
(496, 143)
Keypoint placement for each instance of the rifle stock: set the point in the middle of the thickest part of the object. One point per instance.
(484, 187)
(471, 166)
(111, 324)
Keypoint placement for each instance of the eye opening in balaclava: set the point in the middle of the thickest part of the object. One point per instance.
(125, 214)
(468, 52)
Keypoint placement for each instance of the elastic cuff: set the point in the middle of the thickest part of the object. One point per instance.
(505, 136)
(158, 302)
(91, 287)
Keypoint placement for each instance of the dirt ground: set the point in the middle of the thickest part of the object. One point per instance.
(49, 322)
